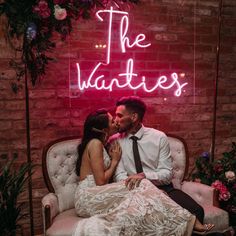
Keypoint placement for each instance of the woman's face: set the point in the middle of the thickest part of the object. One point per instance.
(112, 127)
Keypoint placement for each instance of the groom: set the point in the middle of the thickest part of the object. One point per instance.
(154, 151)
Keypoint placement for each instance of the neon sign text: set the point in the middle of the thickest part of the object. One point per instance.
(100, 83)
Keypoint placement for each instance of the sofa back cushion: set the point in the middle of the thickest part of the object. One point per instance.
(179, 154)
(59, 159)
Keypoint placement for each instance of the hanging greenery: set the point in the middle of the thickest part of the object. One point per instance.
(34, 21)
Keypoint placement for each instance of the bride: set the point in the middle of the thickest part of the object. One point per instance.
(113, 209)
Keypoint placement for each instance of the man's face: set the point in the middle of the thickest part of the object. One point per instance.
(112, 126)
(124, 119)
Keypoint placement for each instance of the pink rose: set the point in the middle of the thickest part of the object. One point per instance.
(230, 175)
(59, 13)
(225, 196)
(217, 184)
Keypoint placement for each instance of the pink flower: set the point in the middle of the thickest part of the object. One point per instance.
(59, 13)
(217, 184)
(42, 9)
(224, 194)
(230, 175)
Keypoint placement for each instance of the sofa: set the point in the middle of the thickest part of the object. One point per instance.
(58, 166)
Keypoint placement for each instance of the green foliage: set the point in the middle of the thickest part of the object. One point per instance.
(221, 174)
(34, 21)
(12, 183)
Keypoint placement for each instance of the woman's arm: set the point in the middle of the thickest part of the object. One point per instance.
(95, 151)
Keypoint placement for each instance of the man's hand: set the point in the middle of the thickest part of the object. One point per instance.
(134, 180)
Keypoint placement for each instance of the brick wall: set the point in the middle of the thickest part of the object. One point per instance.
(184, 37)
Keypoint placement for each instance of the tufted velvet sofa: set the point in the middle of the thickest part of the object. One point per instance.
(58, 162)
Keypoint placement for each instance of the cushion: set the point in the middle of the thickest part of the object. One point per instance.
(178, 155)
(64, 224)
(61, 161)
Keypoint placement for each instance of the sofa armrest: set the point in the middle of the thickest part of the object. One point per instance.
(50, 209)
(201, 193)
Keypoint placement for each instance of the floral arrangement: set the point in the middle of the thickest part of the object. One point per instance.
(34, 21)
(219, 174)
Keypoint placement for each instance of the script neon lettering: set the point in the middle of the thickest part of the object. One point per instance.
(111, 11)
(99, 82)
(124, 26)
(129, 75)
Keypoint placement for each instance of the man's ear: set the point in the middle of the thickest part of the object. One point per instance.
(134, 117)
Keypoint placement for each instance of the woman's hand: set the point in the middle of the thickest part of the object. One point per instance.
(115, 151)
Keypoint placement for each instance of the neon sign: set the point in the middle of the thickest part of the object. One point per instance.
(129, 76)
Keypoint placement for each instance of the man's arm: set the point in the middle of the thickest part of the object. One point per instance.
(162, 175)
(120, 173)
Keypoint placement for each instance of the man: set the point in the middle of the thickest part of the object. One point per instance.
(154, 151)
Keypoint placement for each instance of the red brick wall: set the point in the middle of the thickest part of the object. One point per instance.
(184, 37)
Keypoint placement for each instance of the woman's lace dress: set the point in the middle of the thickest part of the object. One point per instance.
(113, 210)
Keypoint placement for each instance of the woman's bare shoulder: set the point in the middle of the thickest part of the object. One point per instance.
(94, 143)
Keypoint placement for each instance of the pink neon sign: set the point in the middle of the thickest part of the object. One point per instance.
(100, 83)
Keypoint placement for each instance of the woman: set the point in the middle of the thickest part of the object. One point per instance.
(112, 209)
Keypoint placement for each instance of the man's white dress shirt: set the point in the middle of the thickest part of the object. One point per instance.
(154, 153)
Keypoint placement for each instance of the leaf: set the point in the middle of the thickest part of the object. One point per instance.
(12, 183)
(20, 14)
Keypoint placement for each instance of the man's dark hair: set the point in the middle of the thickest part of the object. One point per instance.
(133, 104)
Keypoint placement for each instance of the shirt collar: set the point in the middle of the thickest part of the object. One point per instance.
(138, 134)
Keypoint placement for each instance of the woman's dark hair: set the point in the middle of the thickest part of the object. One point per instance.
(93, 126)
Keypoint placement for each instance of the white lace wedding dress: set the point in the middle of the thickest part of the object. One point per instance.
(113, 210)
